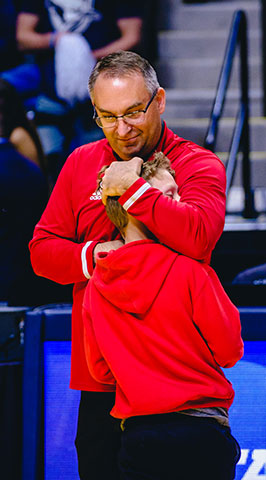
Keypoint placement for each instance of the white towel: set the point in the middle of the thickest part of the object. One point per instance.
(74, 62)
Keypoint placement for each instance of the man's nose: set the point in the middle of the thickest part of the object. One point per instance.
(122, 127)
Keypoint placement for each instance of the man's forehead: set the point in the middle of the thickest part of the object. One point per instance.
(116, 79)
(119, 92)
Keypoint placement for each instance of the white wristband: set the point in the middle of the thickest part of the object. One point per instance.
(84, 260)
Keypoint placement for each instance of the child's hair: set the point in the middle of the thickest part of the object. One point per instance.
(116, 213)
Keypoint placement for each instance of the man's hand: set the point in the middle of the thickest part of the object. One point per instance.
(106, 247)
(119, 177)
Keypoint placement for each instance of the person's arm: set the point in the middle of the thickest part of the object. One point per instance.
(130, 29)
(24, 144)
(218, 321)
(55, 252)
(27, 36)
(97, 365)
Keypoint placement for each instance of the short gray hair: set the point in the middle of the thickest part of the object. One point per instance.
(124, 63)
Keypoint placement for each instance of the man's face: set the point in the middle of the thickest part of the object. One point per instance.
(120, 95)
(164, 181)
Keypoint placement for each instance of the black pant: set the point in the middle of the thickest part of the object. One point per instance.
(177, 447)
(98, 437)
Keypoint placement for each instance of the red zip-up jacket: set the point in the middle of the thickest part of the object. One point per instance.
(75, 220)
(159, 326)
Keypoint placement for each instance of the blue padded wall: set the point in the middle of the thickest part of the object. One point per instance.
(60, 414)
(46, 384)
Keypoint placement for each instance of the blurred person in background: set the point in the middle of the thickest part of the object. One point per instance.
(103, 26)
(23, 196)
(17, 127)
(67, 38)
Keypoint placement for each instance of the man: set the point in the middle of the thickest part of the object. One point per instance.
(157, 325)
(128, 102)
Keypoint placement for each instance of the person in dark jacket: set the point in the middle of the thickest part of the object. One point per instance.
(23, 196)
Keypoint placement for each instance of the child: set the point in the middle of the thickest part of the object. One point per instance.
(159, 326)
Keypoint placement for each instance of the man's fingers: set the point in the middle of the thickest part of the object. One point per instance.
(120, 176)
(137, 162)
(104, 197)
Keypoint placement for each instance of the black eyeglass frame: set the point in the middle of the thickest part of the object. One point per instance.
(98, 119)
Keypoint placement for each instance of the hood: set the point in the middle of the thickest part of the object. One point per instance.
(132, 276)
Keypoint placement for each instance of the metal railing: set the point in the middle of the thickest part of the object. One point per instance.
(241, 139)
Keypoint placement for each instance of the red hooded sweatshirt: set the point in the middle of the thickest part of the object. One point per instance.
(159, 325)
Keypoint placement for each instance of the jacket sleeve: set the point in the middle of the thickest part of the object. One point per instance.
(98, 367)
(218, 321)
(55, 252)
(193, 225)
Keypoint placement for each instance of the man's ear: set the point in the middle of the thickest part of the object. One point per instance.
(160, 97)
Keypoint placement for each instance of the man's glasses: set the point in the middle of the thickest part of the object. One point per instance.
(132, 118)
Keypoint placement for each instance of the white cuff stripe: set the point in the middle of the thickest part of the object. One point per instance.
(84, 260)
(136, 195)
